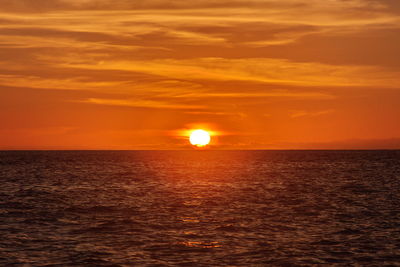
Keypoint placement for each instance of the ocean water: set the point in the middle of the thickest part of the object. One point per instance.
(200, 208)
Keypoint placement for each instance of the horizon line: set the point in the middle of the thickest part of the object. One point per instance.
(197, 150)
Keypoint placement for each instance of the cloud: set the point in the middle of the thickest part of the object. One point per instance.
(216, 113)
(302, 113)
(248, 95)
(56, 84)
(373, 46)
(260, 70)
(139, 103)
(179, 29)
(51, 5)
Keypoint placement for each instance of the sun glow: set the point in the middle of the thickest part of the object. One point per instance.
(199, 138)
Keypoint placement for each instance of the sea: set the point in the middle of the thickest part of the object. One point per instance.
(200, 208)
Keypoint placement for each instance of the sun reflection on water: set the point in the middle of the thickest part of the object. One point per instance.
(190, 219)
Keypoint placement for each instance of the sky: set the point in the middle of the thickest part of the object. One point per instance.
(257, 74)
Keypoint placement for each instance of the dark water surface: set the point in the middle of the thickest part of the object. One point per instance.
(200, 208)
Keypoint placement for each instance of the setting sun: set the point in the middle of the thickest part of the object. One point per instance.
(200, 138)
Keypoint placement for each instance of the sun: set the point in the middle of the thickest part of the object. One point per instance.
(199, 138)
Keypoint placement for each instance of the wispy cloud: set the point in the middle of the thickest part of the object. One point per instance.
(253, 70)
(303, 113)
(139, 103)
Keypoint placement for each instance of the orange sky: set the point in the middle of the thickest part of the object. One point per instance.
(261, 74)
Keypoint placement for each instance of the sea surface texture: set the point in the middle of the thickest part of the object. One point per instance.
(200, 208)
